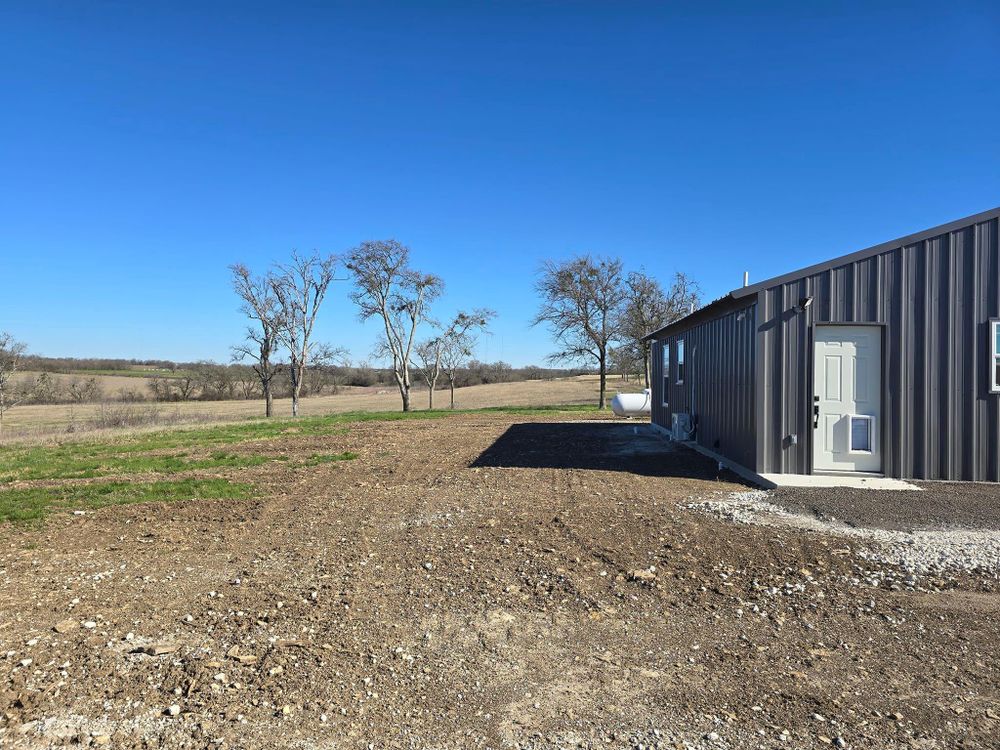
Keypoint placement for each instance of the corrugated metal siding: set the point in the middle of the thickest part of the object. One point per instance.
(718, 388)
(660, 414)
(935, 299)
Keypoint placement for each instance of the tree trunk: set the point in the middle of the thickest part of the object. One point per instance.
(403, 383)
(451, 384)
(296, 386)
(430, 396)
(268, 401)
(604, 382)
(645, 365)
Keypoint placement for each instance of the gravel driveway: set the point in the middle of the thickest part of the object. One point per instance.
(941, 505)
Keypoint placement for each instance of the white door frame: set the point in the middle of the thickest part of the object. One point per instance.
(878, 432)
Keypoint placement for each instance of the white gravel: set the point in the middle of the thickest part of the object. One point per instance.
(923, 551)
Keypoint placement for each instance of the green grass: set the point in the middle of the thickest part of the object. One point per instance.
(35, 503)
(88, 464)
(170, 452)
(261, 429)
(163, 452)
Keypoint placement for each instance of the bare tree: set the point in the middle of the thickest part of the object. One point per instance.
(184, 384)
(455, 355)
(247, 382)
(260, 304)
(581, 304)
(648, 308)
(163, 389)
(364, 374)
(300, 287)
(12, 353)
(624, 360)
(386, 286)
(324, 359)
(645, 310)
(428, 361)
(83, 391)
(431, 353)
(215, 382)
(42, 389)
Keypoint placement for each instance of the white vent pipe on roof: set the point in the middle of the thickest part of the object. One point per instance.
(746, 278)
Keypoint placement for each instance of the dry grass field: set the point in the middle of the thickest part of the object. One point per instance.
(48, 419)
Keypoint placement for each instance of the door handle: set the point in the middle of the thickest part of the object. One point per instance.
(815, 416)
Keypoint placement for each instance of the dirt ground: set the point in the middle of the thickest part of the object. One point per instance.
(479, 581)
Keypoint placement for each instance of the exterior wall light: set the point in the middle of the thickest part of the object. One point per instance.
(804, 304)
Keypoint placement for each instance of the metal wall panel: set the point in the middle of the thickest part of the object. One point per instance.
(718, 388)
(935, 298)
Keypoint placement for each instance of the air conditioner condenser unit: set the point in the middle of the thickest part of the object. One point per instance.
(680, 426)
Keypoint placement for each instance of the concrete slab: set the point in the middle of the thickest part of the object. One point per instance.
(773, 481)
(846, 480)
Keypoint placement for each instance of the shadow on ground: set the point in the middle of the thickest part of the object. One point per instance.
(603, 446)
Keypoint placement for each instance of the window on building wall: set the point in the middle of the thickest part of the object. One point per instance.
(665, 354)
(995, 358)
(680, 360)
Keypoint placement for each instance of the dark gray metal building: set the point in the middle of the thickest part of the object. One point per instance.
(885, 362)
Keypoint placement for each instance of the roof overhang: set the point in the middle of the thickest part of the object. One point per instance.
(712, 310)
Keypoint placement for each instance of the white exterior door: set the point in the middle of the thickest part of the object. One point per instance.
(847, 399)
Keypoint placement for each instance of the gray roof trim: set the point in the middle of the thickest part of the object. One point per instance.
(724, 304)
(842, 260)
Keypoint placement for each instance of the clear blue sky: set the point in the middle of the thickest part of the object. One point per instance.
(145, 146)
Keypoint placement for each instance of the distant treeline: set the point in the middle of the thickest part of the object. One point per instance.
(74, 365)
(79, 380)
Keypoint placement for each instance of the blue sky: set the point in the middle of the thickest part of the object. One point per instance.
(145, 146)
